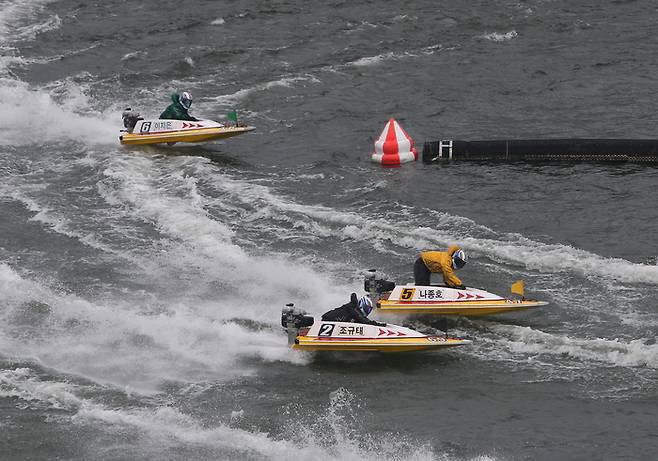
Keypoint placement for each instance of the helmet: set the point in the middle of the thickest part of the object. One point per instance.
(458, 259)
(365, 304)
(185, 99)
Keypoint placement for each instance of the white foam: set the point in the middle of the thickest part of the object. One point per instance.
(500, 37)
(112, 340)
(334, 434)
(561, 258)
(391, 56)
(23, 384)
(359, 27)
(373, 60)
(15, 290)
(9, 58)
(134, 55)
(173, 203)
(218, 22)
(199, 251)
(16, 19)
(503, 248)
(618, 352)
(36, 118)
(136, 346)
(283, 82)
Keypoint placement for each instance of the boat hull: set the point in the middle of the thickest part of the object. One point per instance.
(377, 345)
(159, 131)
(442, 300)
(465, 308)
(189, 136)
(347, 336)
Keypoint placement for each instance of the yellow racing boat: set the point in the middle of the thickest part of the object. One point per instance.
(159, 131)
(304, 333)
(442, 300)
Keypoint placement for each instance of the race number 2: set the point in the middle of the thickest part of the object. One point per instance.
(326, 329)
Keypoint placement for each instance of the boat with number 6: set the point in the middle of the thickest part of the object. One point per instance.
(139, 131)
(304, 333)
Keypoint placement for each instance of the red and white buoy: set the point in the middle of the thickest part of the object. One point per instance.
(394, 146)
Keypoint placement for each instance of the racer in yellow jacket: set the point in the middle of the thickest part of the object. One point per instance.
(444, 262)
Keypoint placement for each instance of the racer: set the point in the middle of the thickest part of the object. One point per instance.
(357, 311)
(444, 262)
(179, 107)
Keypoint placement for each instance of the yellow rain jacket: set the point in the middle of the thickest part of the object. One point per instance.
(441, 261)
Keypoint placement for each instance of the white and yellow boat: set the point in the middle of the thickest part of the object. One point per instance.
(442, 300)
(304, 333)
(161, 131)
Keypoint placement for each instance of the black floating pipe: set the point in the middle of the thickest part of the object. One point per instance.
(544, 150)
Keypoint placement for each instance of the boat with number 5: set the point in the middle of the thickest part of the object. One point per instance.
(442, 300)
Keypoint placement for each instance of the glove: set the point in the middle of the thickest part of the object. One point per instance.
(461, 287)
(353, 299)
(380, 324)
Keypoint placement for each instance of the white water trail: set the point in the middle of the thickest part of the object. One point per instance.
(37, 118)
(403, 229)
(139, 347)
(335, 435)
(612, 351)
(42, 115)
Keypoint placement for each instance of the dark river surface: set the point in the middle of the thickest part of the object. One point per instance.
(141, 288)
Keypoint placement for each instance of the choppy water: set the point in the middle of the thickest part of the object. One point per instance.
(140, 289)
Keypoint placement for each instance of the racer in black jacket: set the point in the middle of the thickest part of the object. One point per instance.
(357, 311)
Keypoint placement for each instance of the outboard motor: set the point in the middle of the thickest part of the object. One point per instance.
(130, 119)
(293, 319)
(375, 285)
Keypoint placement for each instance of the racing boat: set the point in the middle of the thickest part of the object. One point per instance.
(305, 333)
(443, 300)
(139, 131)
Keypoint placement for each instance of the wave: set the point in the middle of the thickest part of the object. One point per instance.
(336, 434)
(372, 60)
(634, 353)
(139, 346)
(172, 202)
(292, 80)
(284, 82)
(380, 58)
(40, 115)
(17, 24)
(36, 117)
(385, 235)
(16, 19)
(499, 37)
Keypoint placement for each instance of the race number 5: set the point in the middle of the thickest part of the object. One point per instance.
(407, 293)
(326, 329)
